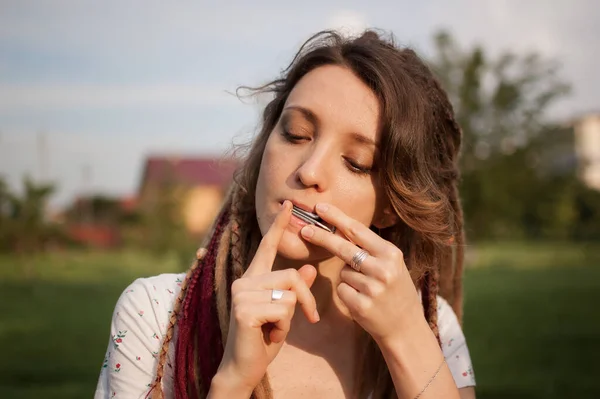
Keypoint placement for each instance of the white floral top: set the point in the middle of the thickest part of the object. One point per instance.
(140, 320)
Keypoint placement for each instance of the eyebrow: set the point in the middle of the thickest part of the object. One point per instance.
(359, 138)
(307, 113)
(314, 119)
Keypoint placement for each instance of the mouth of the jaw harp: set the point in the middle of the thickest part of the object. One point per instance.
(302, 212)
(311, 218)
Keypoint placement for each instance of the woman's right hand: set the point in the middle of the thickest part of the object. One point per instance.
(258, 325)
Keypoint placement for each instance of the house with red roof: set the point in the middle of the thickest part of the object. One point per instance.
(200, 184)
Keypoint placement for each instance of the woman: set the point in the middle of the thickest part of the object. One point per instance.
(362, 134)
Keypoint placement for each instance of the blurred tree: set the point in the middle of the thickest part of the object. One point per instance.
(518, 170)
(28, 226)
(24, 228)
(101, 210)
(5, 202)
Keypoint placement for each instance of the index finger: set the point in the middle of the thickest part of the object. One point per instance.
(353, 230)
(267, 249)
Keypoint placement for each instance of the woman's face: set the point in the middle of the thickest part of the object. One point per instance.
(322, 149)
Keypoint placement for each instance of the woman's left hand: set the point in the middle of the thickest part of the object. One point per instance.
(381, 297)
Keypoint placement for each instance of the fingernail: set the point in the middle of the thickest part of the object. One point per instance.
(307, 231)
(322, 207)
(316, 315)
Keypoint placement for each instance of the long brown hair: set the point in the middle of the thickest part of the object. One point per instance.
(419, 173)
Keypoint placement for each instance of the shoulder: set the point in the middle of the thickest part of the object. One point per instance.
(139, 321)
(159, 284)
(150, 296)
(151, 289)
(454, 345)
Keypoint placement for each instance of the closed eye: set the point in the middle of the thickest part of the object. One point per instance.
(292, 138)
(357, 168)
(352, 165)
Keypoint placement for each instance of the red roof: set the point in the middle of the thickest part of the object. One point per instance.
(128, 204)
(94, 235)
(189, 171)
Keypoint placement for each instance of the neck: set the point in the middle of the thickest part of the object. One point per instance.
(336, 324)
(324, 288)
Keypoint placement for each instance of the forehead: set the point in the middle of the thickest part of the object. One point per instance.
(339, 99)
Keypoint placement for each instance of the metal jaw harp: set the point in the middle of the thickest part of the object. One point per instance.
(313, 219)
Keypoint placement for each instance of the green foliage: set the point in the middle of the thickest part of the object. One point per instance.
(101, 209)
(519, 172)
(55, 326)
(158, 228)
(527, 319)
(24, 228)
(529, 331)
(5, 204)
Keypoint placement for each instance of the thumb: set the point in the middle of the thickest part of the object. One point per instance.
(308, 274)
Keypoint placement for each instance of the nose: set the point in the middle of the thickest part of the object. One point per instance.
(314, 170)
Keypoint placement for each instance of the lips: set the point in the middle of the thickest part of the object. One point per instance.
(304, 207)
(301, 212)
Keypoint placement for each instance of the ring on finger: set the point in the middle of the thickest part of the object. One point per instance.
(276, 295)
(358, 259)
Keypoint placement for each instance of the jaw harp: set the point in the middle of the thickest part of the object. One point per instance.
(311, 218)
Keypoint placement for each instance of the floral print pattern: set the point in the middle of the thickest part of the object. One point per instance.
(105, 363)
(118, 338)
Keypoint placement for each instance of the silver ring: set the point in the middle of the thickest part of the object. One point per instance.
(276, 295)
(358, 258)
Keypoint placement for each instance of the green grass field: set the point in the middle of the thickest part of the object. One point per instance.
(530, 320)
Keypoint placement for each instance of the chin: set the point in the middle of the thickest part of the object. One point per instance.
(294, 248)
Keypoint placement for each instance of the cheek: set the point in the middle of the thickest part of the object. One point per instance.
(270, 164)
(357, 201)
(269, 176)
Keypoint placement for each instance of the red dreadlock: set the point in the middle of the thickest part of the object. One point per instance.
(199, 322)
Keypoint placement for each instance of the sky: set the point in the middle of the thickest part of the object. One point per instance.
(89, 89)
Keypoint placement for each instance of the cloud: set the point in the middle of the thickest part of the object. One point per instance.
(88, 163)
(558, 30)
(349, 22)
(147, 69)
(142, 27)
(79, 96)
